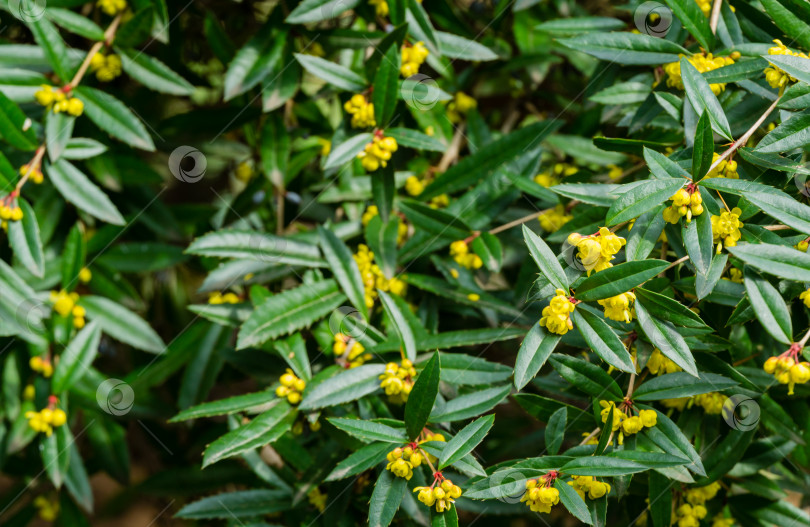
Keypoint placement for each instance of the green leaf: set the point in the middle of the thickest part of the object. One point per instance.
(790, 134)
(555, 430)
(469, 405)
(598, 194)
(419, 25)
(783, 208)
(698, 241)
(602, 340)
(573, 502)
(534, 351)
(347, 150)
(50, 41)
(152, 73)
(580, 24)
(789, 21)
(702, 98)
(681, 384)
(382, 240)
(253, 245)
(13, 127)
(626, 48)
(703, 150)
(293, 350)
(509, 482)
(310, 11)
(24, 238)
(664, 337)
(798, 67)
(773, 161)
(769, 307)
(122, 324)
(75, 23)
(238, 504)
(618, 279)
(669, 309)
(422, 397)
(83, 148)
(386, 90)
(641, 198)
(400, 322)
(705, 284)
(415, 139)
(693, 19)
(545, 259)
(76, 481)
(670, 438)
(359, 461)
(55, 451)
(777, 260)
(333, 73)
(73, 257)
(448, 518)
(644, 235)
(587, 377)
(602, 466)
(369, 430)
(386, 498)
(289, 311)
(114, 117)
(458, 47)
(466, 440)
(344, 387)
(263, 429)
(489, 249)
(77, 358)
(493, 155)
(345, 269)
(660, 495)
(77, 188)
(434, 221)
(254, 62)
(58, 130)
(230, 405)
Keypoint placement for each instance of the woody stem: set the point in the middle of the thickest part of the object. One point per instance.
(109, 35)
(33, 165)
(745, 137)
(805, 338)
(715, 16)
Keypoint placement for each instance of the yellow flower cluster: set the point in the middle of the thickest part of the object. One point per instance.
(726, 228)
(46, 419)
(397, 380)
(705, 6)
(596, 251)
(460, 105)
(587, 485)
(620, 307)
(727, 168)
(48, 509)
(556, 316)
(442, 495)
(35, 175)
(722, 521)
(615, 172)
(361, 110)
(372, 211)
(777, 77)
(218, 298)
(540, 496)
(378, 152)
(460, 252)
(659, 364)
(380, 7)
(690, 513)
(350, 351)
(702, 62)
(552, 177)
(106, 67)
(40, 365)
(735, 275)
(712, 402)
(686, 202)
(291, 387)
(627, 424)
(317, 499)
(788, 370)
(802, 246)
(10, 211)
(413, 56)
(415, 186)
(402, 461)
(373, 277)
(58, 101)
(112, 7)
(552, 219)
(64, 303)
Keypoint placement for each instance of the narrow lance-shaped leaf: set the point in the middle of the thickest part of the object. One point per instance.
(422, 396)
(664, 337)
(545, 259)
(602, 340)
(403, 329)
(555, 430)
(533, 353)
(702, 98)
(465, 440)
(703, 149)
(77, 357)
(769, 307)
(344, 268)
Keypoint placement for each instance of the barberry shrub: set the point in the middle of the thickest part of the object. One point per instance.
(447, 263)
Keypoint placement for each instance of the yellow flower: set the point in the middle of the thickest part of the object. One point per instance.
(442, 495)
(620, 307)
(106, 67)
(460, 105)
(649, 418)
(553, 177)
(686, 202)
(397, 380)
(380, 7)
(85, 275)
(775, 76)
(291, 387)
(377, 152)
(727, 168)
(540, 496)
(556, 317)
(112, 7)
(361, 110)
(413, 56)
(702, 62)
(460, 252)
(317, 498)
(552, 219)
(658, 364)
(726, 228)
(596, 251)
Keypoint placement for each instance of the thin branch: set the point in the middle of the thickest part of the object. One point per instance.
(715, 18)
(745, 137)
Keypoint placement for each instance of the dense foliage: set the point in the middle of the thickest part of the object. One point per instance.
(348, 261)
